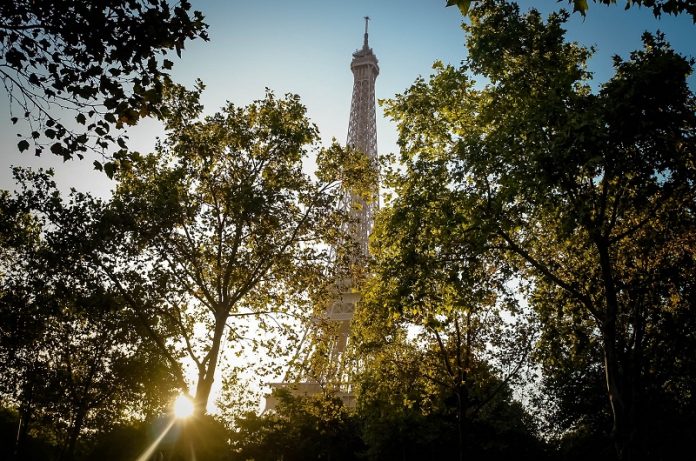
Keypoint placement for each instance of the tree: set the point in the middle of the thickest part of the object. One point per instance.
(428, 395)
(589, 196)
(438, 358)
(99, 62)
(73, 362)
(440, 335)
(471, 331)
(219, 225)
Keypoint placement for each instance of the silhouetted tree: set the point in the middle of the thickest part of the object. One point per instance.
(315, 427)
(428, 390)
(73, 363)
(101, 63)
(221, 224)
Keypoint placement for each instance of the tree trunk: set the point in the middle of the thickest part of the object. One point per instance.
(616, 396)
(22, 429)
(612, 363)
(460, 423)
(69, 451)
(25, 414)
(205, 379)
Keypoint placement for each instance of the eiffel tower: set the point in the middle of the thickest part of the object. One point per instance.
(328, 338)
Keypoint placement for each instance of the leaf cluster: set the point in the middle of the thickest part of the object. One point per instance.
(658, 6)
(102, 62)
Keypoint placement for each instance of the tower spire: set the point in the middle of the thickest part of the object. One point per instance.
(367, 18)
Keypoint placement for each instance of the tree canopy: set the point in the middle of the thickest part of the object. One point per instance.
(72, 362)
(78, 72)
(586, 198)
(529, 291)
(582, 6)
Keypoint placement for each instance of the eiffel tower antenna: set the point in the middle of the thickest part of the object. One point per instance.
(367, 18)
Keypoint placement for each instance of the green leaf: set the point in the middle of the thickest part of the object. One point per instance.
(81, 119)
(110, 169)
(463, 5)
(58, 149)
(580, 6)
(23, 145)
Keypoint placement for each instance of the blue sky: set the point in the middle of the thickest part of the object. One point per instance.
(305, 47)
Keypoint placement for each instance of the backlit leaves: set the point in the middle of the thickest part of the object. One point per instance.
(564, 192)
(103, 63)
(229, 223)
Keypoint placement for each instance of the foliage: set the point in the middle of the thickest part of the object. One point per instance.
(587, 199)
(203, 438)
(658, 6)
(223, 227)
(532, 219)
(73, 362)
(429, 389)
(431, 288)
(99, 62)
(315, 427)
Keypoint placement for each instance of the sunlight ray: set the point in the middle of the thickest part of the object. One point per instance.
(151, 449)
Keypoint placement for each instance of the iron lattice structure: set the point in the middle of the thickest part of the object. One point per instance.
(322, 359)
(362, 135)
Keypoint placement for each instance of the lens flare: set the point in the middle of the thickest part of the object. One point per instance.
(183, 407)
(147, 454)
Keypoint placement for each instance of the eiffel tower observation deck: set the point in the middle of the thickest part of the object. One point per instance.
(328, 340)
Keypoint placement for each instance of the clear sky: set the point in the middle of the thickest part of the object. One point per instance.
(305, 47)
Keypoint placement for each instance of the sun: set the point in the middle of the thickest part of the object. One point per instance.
(183, 407)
